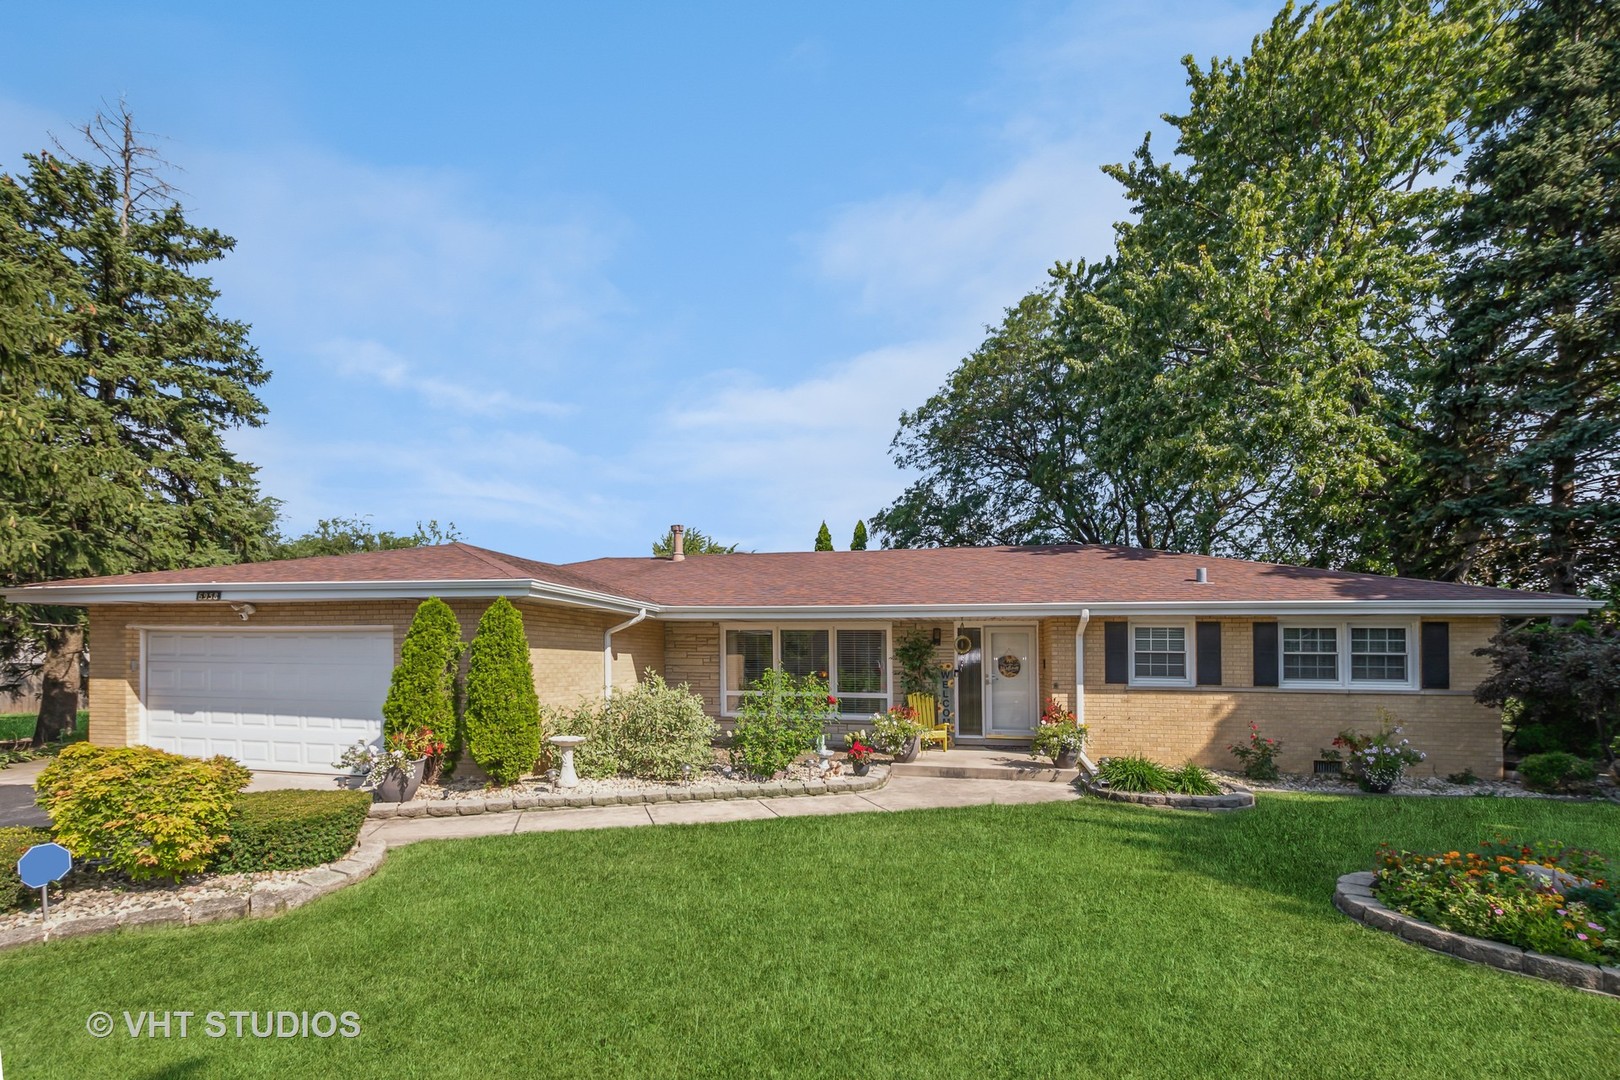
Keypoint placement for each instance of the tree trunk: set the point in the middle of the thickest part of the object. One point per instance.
(60, 682)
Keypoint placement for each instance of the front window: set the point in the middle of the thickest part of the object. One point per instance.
(1161, 652)
(1311, 653)
(1378, 654)
(853, 661)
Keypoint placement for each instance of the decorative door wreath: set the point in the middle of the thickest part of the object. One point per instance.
(1009, 666)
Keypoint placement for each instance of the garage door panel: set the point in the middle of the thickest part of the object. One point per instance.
(290, 700)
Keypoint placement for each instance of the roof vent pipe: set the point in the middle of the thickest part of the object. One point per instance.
(677, 543)
(1201, 576)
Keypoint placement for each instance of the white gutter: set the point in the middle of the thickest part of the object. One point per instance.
(1334, 608)
(270, 591)
(1080, 684)
(607, 651)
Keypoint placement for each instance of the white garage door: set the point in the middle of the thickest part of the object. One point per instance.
(289, 701)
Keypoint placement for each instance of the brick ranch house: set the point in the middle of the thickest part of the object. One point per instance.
(282, 664)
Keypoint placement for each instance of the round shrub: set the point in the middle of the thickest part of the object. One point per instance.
(292, 829)
(14, 895)
(649, 731)
(422, 691)
(503, 711)
(142, 811)
(1556, 771)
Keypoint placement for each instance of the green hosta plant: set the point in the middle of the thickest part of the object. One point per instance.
(1133, 772)
(1192, 779)
(780, 718)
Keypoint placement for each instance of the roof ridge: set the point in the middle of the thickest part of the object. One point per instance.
(485, 555)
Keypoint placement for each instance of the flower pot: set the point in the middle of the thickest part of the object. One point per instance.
(861, 768)
(1377, 785)
(910, 750)
(400, 785)
(1067, 759)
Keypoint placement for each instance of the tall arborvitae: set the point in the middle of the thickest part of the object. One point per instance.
(824, 538)
(503, 711)
(858, 541)
(422, 692)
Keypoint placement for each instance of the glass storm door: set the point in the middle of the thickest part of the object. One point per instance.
(1009, 675)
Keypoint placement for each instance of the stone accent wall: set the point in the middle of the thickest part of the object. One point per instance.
(1199, 723)
(692, 656)
(565, 646)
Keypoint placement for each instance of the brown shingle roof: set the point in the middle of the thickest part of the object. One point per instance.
(933, 577)
(1050, 574)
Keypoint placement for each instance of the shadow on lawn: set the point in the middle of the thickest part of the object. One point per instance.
(1294, 847)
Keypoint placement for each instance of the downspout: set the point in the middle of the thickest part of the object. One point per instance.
(1080, 684)
(607, 651)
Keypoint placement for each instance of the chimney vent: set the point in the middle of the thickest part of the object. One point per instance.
(677, 545)
(1201, 576)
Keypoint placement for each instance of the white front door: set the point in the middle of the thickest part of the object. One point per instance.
(1009, 673)
(281, 700)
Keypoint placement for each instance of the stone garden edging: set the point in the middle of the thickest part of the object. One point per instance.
(555, 800)
(265, 898)
(1354, 897)
(1238, 799)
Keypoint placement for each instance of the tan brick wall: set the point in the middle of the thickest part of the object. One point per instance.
(1199, 723)
(565, 646)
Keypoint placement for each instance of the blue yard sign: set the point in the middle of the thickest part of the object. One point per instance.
(41, 865)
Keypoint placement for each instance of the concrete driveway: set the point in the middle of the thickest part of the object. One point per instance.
(17, 794)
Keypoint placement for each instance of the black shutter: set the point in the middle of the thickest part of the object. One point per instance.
(1116, 652)
(1436, 655)
(1209, 654)
(1265, 654)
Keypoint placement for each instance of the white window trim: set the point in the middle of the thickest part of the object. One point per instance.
(727, 695)
(1191, 637)
(1341, 629)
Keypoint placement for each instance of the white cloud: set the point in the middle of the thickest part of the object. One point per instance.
(375, 362)
(963, 253)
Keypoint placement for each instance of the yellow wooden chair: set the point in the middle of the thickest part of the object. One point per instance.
(933, 731)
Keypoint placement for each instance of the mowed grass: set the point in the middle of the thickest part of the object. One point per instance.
(1072, 939)
(21, 726)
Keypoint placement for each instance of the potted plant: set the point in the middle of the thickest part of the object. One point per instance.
(897, 732)
(394, 774)
(1059, 737)
(859, 752)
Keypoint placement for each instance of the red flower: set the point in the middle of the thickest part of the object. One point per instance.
(831, 700)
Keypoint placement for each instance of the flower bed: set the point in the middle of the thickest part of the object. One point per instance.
(1145, 782)
(1544, 896)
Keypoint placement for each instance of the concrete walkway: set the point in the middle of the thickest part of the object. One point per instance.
(17, 794)
(901, 793)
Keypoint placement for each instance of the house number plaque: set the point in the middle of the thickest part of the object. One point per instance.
(208, 594)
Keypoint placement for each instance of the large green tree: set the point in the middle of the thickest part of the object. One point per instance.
(120, 382)
(1522, 472)
(1241, 368)
(693, 542)
(349, 535)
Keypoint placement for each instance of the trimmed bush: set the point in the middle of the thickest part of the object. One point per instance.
(289, 830)
(142, 811)
(14, 895)
(1557, 772)
(647, 732)
(503, 712)
(422, 691)
(779, 719)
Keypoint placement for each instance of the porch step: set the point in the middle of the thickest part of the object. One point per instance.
(963, 764)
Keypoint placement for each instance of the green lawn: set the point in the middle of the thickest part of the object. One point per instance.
(1077, 939)
(20, 725)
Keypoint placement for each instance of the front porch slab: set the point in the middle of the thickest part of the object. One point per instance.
(984, 763)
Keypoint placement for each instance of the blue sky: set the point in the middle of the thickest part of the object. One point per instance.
(565, 274)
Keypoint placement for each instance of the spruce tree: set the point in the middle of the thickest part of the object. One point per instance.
(422, 692)
(1527, 447)
(824, 538)
(117, 459)
(503, 711)
(858, 541)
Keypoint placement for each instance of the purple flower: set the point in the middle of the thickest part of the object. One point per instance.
(1562, 911)
(1581, 937)
(1594, 926)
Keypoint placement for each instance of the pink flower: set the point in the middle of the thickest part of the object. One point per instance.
(1580, 937)
(1594, 926)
